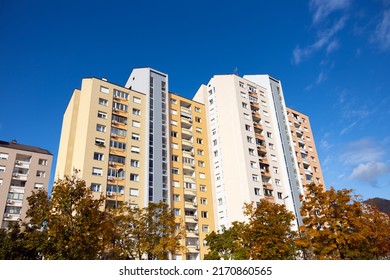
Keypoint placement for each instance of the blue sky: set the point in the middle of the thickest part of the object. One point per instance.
(333, 58)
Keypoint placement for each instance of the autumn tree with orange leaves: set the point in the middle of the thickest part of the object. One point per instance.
(337, 225)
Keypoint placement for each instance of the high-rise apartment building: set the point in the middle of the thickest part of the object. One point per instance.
(305, 148)
(250, 155)
(23, 169)
(232, 144)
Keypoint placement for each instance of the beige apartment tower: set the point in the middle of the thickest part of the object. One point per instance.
(23, 169)
(305, 148)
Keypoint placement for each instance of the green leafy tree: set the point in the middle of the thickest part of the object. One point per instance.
(337, 225)
(267, 234)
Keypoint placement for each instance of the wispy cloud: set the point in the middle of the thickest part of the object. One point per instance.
(362, 151)
(382, 32)
(322, 9)
(325, 41)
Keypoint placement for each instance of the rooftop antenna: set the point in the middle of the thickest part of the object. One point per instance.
(236, 71)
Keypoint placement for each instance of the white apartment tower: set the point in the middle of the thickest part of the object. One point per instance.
(250, 152)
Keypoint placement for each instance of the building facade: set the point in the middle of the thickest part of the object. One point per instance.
(23, 169)
(206, 157)
(305, 148)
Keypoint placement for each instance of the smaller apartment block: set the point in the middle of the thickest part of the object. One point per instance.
(22, 169)
(305, 148)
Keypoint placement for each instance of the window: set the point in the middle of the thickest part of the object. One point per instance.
(173, 101)
(102, 115)
(280, 195)
(135, 149)
(277, 182)
(248, 127)
(175, 146)
(249, 139)
(267, 192)
(134, 163)
(173, 112)
(244, 105)
(215, 153)
(276, 170)
(118, 132)
(246, 116)
(198, 120)
(176, 197)
(273, 157)
(199, 141)
(103, 102)
(199, 130)
(173, 122)
(315, 170)
(205, 228)
(203, 200)
(200, 152)
(2, 168)
(220, 201)
(263, 103)
(97, 171)
(269, 134)
(101, 128)
(98, 156)
(175, 158)
(175, 171)
(251, 151)
(134, 192)
(271, 146)
(95, 187)
(197, 109)
(119, 106)
(255, 178)
(99, 142)
(211, 101)
(241, 84)
(1, 182)
(201, 163)
(202, 188)
(243, 94)
(174, 134)
(176, 211)
(253, 164)
(41, 174)
(3, 156)
(117, 144)
(175, 184)
(121, 94)
(215, 142)
(266, 113)
(136, 112)
(204, 214)
(257, 191)
(136, 124)
(136, 100)
(202, 175)
(104, 89)
(267, 123)
(135, 136)
(134, 177)
(42, 161)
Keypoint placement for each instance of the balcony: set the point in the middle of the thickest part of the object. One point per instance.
(186, 122)
(22, 164)
(11, 216)
(186, 131)
(185, 111)
(256, 116)
(187, 143)
(265, 172)
(259, 136)
(188, 154)
(261, 149)
(19, 176)
(258, 126)
(253, 94)
(255, 106)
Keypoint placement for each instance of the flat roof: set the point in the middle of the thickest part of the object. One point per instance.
(17, 146)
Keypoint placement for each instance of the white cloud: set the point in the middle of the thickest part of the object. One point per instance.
(370, 171)
(325, 40)
(348, 127)
(382, 32)
(322, 8)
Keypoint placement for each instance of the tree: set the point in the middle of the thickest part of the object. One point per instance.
(69, 225)
(228, 244)
(267, 234)
(146, 233)
(270, 235)
(338, 226)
